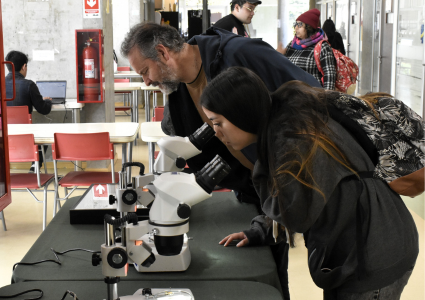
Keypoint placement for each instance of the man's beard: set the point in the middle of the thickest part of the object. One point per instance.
(170, 82)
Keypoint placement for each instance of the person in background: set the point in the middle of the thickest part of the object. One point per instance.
(301, 50)
(362, 240)
(334, 38)
(242, 13)
(27, 93)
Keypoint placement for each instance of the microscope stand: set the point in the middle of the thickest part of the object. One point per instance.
(175, 263)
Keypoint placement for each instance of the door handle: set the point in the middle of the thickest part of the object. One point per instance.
(13, 78)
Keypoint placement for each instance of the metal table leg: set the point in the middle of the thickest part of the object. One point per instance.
(130, 159)
(147, 106)
(151, 149)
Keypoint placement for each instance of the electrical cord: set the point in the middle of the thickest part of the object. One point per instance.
(55, 253)
(28, 291)
(66, 111)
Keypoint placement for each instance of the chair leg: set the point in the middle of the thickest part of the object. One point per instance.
(3, 220)
(45, 206)
(55, 203)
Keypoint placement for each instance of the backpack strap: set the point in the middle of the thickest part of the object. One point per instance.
(317, 51)
(356, 131)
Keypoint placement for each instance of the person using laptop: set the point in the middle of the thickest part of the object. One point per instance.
(27, 93)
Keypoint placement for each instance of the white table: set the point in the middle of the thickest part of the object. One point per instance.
(151, 133)
(126, 74)
(132, 87)
(70, 104)
(119, 133)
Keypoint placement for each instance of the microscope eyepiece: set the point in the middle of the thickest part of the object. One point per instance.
(201, 136)
(212, 174)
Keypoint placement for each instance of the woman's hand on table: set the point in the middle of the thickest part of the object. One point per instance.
(239, 239)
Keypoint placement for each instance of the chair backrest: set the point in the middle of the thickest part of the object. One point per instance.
(18, 115)
(158, 114)
(22, 148)
(122, 80)
(82, 146)
(123, 68)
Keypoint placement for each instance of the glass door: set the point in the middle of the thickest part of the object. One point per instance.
(5, 194)
(341, 21)
(410, 57)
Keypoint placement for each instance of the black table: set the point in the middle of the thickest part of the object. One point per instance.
(96, 290)
(211, 220)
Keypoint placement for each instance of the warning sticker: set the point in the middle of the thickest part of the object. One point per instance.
(89, 68)
(100, 192)
(91, 9)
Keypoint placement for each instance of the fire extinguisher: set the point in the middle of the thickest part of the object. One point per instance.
(91, 78)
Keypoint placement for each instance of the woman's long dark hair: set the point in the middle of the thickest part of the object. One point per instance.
(297, 111)
(240, 96)
(300, 113)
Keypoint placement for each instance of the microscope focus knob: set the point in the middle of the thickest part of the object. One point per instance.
(183, 211)
(129, 197)
(112, 199)
(95, 259)
(180, 162)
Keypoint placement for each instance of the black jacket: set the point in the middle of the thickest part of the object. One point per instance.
(229, 22)
(336, 42)
(27, 94)
(359, 234)
(220, 50)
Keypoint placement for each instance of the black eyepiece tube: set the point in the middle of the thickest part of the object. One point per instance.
(201, 136)
(212, 174)
(134, 164)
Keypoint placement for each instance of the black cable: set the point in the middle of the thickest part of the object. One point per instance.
(35, 263)
(66, 111)
(55, 253)
(33, 290)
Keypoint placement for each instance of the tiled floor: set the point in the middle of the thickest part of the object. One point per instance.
(24, 224)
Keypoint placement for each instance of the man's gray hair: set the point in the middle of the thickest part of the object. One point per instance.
(146, 36)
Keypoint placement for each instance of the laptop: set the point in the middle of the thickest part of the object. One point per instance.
(55, 89)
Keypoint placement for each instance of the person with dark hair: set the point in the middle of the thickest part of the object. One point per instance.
(242, 13)
(27, 93)
(182, 70)
(310, 176)
(334, 38)
(301, 50)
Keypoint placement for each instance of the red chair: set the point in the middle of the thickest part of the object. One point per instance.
(83, 146)
(158, 114)
(126, 95)
(123, 69)
(18, 115)
(23, 149)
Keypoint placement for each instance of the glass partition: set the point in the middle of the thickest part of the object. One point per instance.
(410, 54)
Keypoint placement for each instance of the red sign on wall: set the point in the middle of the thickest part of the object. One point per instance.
(91, 9)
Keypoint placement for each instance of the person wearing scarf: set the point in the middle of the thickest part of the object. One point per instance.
(301, 50)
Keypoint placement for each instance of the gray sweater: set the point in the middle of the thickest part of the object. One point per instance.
(360, 237)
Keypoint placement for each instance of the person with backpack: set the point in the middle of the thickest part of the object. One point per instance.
(301, 50)
(312, 178)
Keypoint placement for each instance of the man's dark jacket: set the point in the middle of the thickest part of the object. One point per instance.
(229, 22)
(27, 94)
(220, 50)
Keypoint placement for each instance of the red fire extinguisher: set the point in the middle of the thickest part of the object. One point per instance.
(91, 79)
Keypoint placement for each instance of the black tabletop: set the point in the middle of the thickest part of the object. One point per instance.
(211, 220)
(201, 290)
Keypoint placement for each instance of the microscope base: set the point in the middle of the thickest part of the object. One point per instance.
(184, 294)
(175, 263)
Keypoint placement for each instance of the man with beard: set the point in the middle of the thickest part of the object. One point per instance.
(182, 70)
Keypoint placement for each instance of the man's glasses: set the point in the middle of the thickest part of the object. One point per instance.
(299, 24)
(250, 9)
